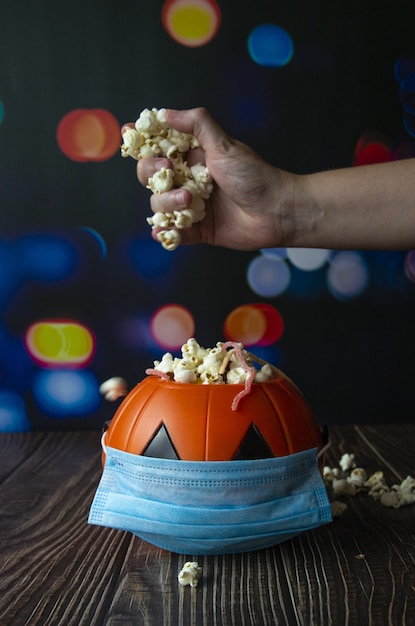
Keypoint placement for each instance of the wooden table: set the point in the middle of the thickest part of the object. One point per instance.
(55, 569)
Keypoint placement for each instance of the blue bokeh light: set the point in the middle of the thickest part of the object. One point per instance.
(13, 416)
(149, 258)
(409, 123)
(66, 393)
(270, 45)
(46, 257)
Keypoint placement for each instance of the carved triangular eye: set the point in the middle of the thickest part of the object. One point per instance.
(253, 446)
(161, 446)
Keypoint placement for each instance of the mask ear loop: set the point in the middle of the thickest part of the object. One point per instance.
(326, 441)
(104, 447)
(324, 449)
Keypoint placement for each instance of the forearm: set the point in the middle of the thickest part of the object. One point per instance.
(359, 207)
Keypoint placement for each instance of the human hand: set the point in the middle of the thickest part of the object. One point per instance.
(246, 208)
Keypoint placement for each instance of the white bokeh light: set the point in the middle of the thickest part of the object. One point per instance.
(348, 275)
(308, 259)
(268, 276)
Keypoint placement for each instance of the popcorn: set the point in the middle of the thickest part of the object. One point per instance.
(190, 574)
(114, 388)
(347, 462)
(169, 239)
(161, 181)
(153, 137)
(330, 473)
(357, 477)
(348, 480)
(341, 487)
(214, 366)
(338, 508)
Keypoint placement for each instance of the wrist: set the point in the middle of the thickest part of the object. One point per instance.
(298, 212)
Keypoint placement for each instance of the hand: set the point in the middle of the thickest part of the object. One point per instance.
(245, 208)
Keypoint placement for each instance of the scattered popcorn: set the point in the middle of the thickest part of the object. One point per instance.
(330, 473)
(114, 388)
(338, 508)
(406, 490)
(390, 498)
(341, 487)
(153, 137)
(347, 462)
(348, 480)
(357, 477)
(190, 574)
(213, 366)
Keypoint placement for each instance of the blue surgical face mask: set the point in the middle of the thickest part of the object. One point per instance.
(211, 507)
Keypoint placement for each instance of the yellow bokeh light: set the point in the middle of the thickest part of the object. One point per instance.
(59, 343)
(191, 23)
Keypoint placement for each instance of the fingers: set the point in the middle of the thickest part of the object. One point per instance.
(147, 167)
(169, 201)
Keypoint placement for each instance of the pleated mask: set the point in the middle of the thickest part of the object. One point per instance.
(211, 507)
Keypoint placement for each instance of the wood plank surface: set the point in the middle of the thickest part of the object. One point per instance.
(56, 570)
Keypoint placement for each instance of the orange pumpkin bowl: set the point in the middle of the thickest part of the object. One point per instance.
(196, 422)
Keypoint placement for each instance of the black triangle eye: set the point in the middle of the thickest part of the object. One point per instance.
(253, 446)
(161, 446)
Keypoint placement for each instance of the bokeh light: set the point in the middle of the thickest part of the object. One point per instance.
(97, 238)
(89, 135)
(270, 45)
(308, 259)
(258, 324)
(13, 417)
(1, 111)
(348, 275)
(273, 253)
(405, 77)
(268, 275)
(409, 123)
(373, 147)
(46, 257)
(407, 100)
(66, 393)
(409, 266)
(149, 258)
(192, 23)
(373, 153)
(246, 324)
(404, 68)
(55, 342)
(171, 326)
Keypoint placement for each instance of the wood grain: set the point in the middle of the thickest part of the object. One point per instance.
(56, 570)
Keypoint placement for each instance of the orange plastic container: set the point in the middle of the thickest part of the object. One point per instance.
(196, 422)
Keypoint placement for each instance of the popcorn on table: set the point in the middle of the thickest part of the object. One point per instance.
(153, 137)
(190, 574)
(349, 480)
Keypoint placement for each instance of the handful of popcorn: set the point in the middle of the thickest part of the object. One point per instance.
(153, 137)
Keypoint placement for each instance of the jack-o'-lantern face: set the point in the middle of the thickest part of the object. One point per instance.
(195, 422)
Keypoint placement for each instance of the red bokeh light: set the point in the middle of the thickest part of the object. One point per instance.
(89, 135)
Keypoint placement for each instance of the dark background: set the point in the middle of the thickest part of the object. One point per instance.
(352, 358)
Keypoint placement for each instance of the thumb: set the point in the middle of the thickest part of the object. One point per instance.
(199, 123)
